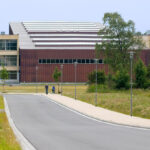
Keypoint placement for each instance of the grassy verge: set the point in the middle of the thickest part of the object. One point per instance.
(1, 103)
(116, 100)
(7, 138)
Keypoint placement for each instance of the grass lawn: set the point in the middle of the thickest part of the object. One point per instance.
(7, 138)
(1, 102)
(117, 100)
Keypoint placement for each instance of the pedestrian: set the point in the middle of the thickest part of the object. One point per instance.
(53, 89)
(46, 89)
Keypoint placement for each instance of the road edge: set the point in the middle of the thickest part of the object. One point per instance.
(94, 118)
(24, 143)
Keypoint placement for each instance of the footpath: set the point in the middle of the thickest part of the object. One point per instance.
(100, 113)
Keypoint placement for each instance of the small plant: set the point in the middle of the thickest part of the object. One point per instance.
(100, 77)
(3, 75)
(56, 76)
(101, 88)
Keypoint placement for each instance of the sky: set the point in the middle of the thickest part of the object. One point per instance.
(74, 10)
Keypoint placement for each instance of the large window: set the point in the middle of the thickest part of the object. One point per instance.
(12, 75)
(8, 44)
(2, 44)
(8, 60)
(68, 61)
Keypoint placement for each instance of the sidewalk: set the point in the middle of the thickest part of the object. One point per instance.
(100, 113)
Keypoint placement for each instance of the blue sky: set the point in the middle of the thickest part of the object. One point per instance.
(74, 10)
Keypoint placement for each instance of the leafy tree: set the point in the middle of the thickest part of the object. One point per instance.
(120, 37)
(148, 71)
(100, 77)
(140, 74)
(56, 76)
(3, 75)
(122, 79)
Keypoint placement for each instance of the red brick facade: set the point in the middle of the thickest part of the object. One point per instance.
(29, 61)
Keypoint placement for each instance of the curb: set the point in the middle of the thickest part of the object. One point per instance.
(24, 143)
(96, 119)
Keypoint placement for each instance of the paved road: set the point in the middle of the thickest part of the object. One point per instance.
(49, 126)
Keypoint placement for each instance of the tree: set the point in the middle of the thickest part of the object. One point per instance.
(120, 37)
(100, 77)
(148, 71)
(56, 76)
(3, 75)
(122, 79)
(140, 74)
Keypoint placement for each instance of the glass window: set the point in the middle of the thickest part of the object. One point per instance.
(92, 61)
(12, 75)
(61, 61)
(44, 61)
(11, 60)
(2, 60)
(2, 44)
(40, 61)
(74, 60)
(83, 61)
(70, 61)
(53, 61)
(66, 61)
(87, 61)
(48, 61)
(57, 61)
(79, 61)
(11, 44)
(100, 61)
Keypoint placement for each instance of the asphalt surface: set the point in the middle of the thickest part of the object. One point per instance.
(49, 126)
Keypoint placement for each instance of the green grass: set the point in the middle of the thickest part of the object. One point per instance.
(116, 100)
(7, 138)
(1, 103)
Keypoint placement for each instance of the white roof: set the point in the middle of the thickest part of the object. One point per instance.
(70, 34)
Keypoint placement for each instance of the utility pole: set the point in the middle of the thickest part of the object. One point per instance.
(36, 80)
(131, 82)
(75, 65)
(96, 83)
(61, 77)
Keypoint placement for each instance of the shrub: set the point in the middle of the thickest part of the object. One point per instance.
(110, 81)
(140, 75)
(122, 79)
(100, 77)
(102, 88)
(148, 71)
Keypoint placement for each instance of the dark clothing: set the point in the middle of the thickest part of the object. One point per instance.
(53, 89)
(46, 89)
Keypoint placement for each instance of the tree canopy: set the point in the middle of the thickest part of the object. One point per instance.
(4, 74)
(56, 74)
(119, 37)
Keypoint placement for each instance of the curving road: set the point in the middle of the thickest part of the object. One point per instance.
(49, 126)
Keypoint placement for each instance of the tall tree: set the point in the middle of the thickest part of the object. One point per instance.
(56, 76)
(119, 37)
(148, 71)
(140, 74)
(3, 75)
